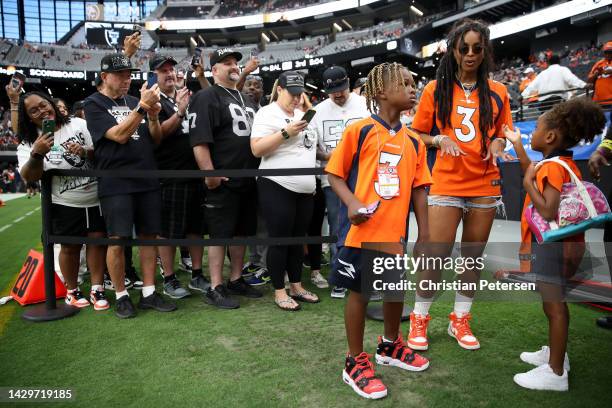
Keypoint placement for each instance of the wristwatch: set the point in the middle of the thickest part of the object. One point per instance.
(37, 156)
(140, 110)
(286, 135)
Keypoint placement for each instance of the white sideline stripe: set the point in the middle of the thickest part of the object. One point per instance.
(7, 226)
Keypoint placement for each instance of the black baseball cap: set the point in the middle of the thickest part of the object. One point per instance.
(222, 53)
(292, 81)
(360, 82)
(159, 60)
(78, 105)
(335, 79)
(98, 81)
(116, 62)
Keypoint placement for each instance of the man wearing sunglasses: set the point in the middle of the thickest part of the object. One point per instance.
(333, 115)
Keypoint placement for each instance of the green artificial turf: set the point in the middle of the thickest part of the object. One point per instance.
(261, 356)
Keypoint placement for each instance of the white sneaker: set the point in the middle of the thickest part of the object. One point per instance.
(318, 280)
(338, 292)
(542, 378)
(537, 358)
(185, 264)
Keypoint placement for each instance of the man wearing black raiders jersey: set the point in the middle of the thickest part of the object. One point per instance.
(123, 140)
(220, 119)
(182, 214)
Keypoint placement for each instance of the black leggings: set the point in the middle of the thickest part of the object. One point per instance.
(287, 214)
(314, 230)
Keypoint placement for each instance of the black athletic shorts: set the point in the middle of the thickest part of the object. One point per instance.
(125, 211)
(76, 221)
(182, 209)
(363, 271)
(230, 213)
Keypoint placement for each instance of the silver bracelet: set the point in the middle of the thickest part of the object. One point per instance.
(437, 140)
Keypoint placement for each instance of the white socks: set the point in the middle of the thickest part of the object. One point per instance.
(463, 304)
(95, 288)
(148, 290)
(122, 293)
(422, 305)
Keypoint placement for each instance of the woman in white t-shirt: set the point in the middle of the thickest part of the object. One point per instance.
(282, 140)
(75, 209)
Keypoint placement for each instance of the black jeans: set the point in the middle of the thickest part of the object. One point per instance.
(287, 214)
(316, 225)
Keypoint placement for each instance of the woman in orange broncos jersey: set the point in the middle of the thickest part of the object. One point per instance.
(461, 114)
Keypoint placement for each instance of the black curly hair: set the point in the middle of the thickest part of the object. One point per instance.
(577, 119)
(448, 69)
(28, 132)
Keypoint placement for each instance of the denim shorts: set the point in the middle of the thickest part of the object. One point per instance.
(467, 203)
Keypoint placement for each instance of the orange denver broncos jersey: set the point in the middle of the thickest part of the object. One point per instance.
(603, 84)
(364, 146)
(556, 176)
(464, 176)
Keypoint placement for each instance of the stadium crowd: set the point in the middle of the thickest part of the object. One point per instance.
(228, 124)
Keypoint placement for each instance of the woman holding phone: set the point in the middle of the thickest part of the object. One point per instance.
(50, 140)
(281, 138)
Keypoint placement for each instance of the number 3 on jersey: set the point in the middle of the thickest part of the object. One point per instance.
(466, 123)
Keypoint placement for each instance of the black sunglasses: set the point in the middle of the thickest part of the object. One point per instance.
(476, 49)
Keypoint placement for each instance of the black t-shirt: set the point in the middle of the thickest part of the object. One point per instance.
(175, 151)
(222, 118)
(103, 113)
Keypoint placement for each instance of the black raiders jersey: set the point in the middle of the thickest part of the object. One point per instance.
(222, 118)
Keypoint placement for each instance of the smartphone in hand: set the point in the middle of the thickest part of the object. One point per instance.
(309, 115)
(370, 209)
(18, 80)
(48, 126)
(195, 61)
(151, 79)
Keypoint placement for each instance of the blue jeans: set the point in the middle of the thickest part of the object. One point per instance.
(332, 202)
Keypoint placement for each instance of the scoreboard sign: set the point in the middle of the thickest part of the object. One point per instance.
(107, 34)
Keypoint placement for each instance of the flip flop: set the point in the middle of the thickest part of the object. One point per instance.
(300, 297)
(287, 308)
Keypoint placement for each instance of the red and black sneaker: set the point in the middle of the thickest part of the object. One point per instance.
(359, 374)
(397, 354)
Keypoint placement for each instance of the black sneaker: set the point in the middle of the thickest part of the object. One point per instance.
(136, 282)
(241, 288)
(156, 302)
(124, 309)
(220, 298)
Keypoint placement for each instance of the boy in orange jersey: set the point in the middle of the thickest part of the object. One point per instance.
(377, 161)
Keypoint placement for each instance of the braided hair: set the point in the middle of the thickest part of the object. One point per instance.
(377, 77)
(445, 78)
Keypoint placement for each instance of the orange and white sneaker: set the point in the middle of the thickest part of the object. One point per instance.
(397, 354)
(98, 300)
(75, 298)
(359, 374)
(459, 329)
(417, 335)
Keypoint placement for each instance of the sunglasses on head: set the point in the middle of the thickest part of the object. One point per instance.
(476, 49)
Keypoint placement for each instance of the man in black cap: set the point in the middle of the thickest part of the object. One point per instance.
(123, 140)
(220, 129)
(182, 199)
(340, 109)
(359, 84)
